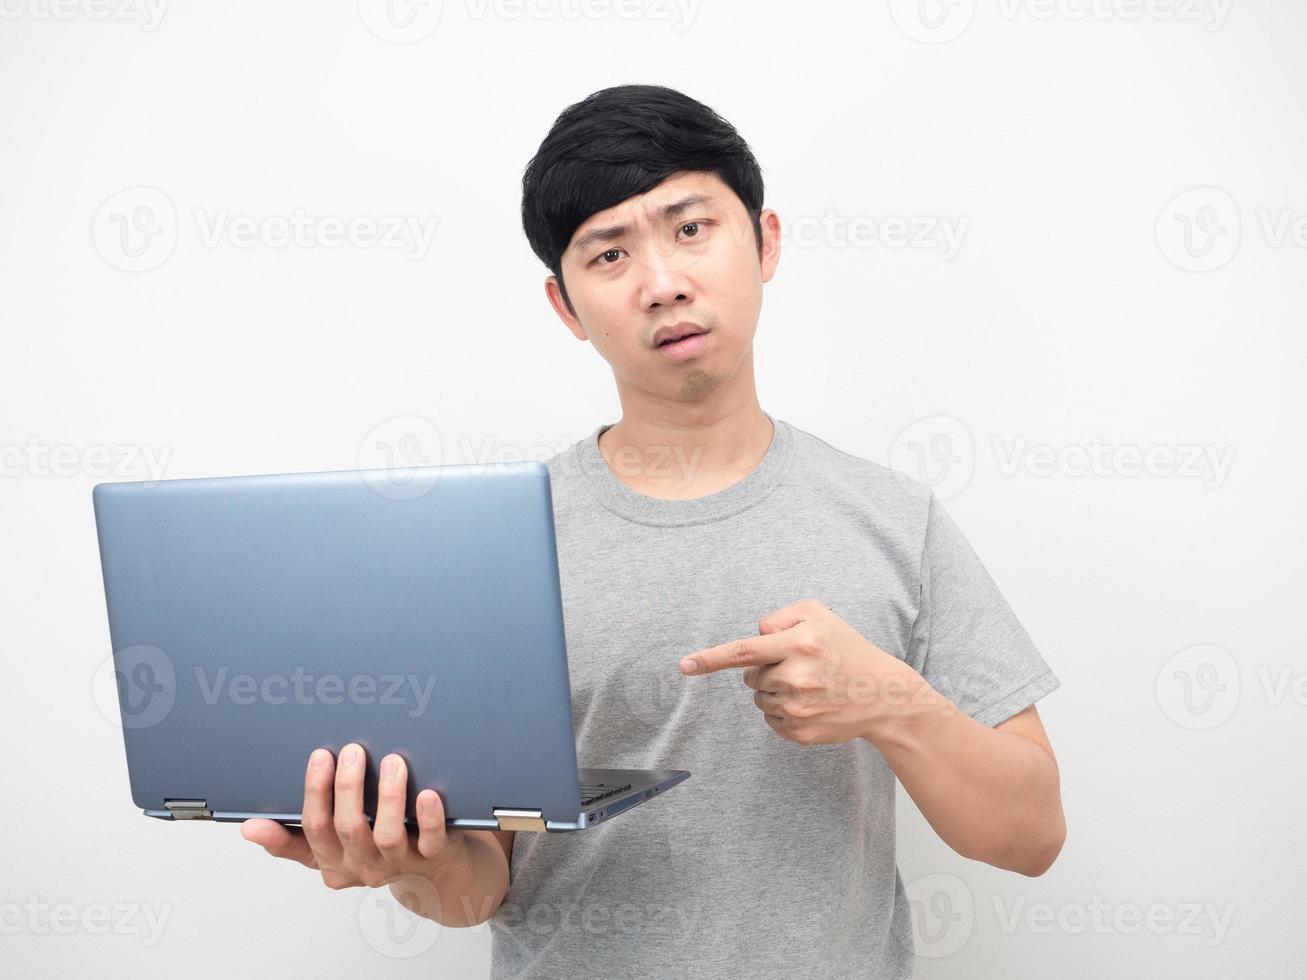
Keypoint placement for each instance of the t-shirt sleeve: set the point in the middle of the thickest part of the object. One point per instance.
(966, 640)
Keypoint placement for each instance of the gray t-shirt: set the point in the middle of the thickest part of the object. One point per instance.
(773, 859)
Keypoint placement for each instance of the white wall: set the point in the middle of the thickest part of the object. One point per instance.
(1069, 144)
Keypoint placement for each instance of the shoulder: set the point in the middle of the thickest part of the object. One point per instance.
(565, 464)
(898, 500)
(566, 483)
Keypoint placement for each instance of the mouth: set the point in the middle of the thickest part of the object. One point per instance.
(685, 348)
(667, 336)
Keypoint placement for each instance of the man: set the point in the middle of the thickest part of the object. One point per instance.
(794, 625)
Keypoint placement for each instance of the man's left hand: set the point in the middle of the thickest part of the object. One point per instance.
(816, 679)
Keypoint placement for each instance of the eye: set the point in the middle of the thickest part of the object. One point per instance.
(602, 257)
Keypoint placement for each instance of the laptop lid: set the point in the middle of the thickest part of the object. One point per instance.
(255, 618)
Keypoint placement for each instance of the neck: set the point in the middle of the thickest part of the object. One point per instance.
(684, 451)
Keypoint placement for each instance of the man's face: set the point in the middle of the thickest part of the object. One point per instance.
(683, 255)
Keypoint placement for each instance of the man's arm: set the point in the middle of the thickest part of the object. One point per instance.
(992, 794)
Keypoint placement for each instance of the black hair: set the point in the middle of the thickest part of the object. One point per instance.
(620, 142)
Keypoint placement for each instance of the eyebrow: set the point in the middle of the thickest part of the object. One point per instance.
(617, 231)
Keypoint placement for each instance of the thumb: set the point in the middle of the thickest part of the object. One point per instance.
(279, 841)
(778, 621)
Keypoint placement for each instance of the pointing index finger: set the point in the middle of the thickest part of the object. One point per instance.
(770, 648)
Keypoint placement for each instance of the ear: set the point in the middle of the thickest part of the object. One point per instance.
(770, 223)
(554, 293)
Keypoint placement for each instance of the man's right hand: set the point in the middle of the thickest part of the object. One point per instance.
(335, 838)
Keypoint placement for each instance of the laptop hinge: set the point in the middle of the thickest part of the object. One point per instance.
(189, 809)
(510, 819)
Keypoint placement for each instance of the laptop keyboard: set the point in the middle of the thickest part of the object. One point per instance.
(593, 792)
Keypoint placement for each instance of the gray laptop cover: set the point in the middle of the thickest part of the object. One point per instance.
(255, 618)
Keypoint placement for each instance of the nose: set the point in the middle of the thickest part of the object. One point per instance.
(665, 281)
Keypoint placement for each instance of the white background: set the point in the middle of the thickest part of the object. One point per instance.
(1130, 280)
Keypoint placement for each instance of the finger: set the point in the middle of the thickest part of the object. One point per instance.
(388, 830)
(770, 649)
(768, 703)
(351, 826)
(433, 838)
(773, 680)
(279, 841)
(789, 616)
(316, 813)
(762, 676)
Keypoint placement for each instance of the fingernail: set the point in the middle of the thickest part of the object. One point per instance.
(318, 760)
(352, 755)
(389, 767)
(689, 665)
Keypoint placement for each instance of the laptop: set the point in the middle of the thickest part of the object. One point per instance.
(256, 618)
